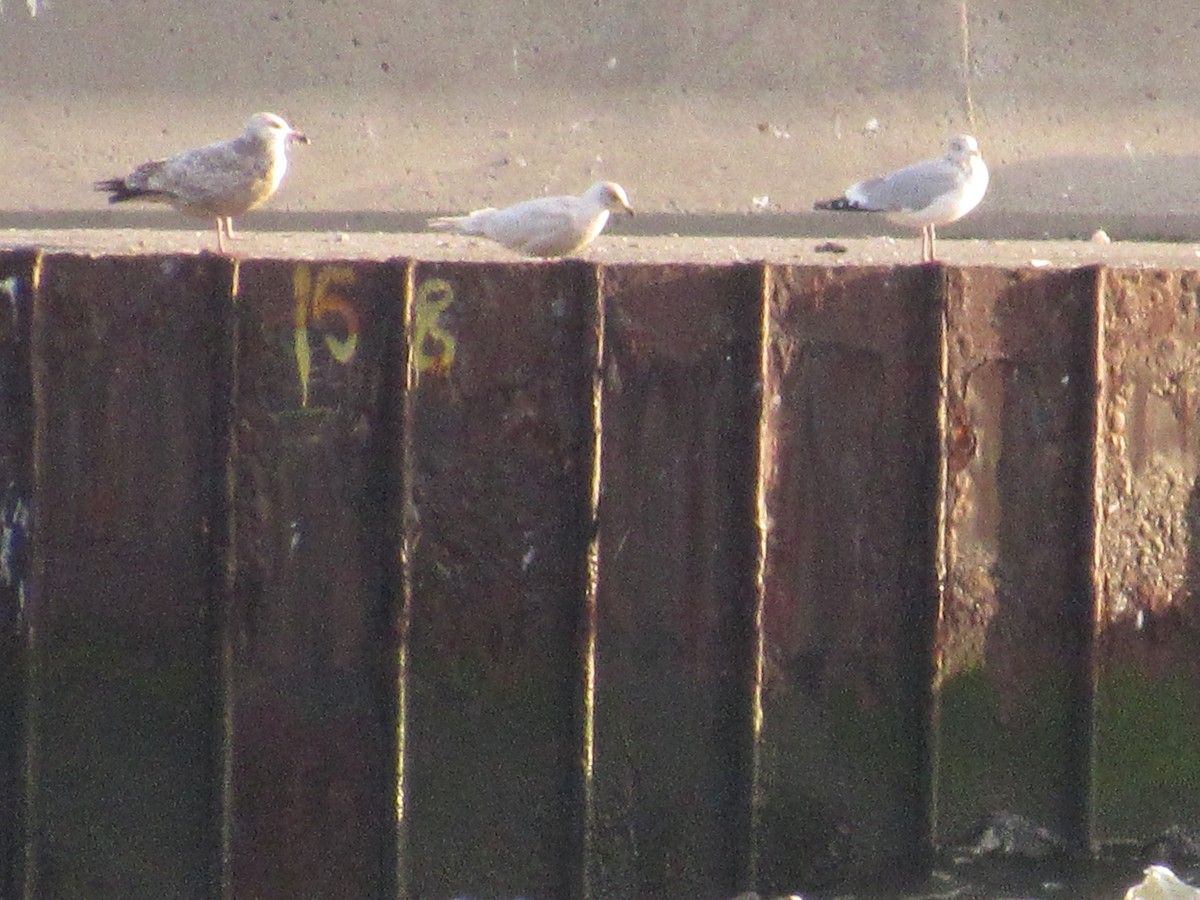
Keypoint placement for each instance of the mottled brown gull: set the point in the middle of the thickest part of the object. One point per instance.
(217, 181)
(925, 194)
(547, 226)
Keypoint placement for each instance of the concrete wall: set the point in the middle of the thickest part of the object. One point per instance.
(1081, 107)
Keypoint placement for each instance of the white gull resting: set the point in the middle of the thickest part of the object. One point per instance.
(217, 181)
(548, 226)
(925, 194)
(1161, 883)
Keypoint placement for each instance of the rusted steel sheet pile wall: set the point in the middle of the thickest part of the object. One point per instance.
(1012, 644)
(438, 579)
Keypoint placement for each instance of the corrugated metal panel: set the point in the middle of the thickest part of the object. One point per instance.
(313, 705)
(849, 588)
(1013, 731)
(675, 601)
(445, 579)
(1147, 718)
(498, 529)
(18, 273)
(127, 451)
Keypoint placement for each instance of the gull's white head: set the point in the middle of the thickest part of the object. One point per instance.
(610, 196)
(961, 148)
(271, 128)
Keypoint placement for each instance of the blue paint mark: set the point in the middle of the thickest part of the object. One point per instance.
(16, 521)
(11, 287)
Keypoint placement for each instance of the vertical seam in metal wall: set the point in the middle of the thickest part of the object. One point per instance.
(1094, 576)
(33, 601)
(224, 561)
(403, 611)
(761, 525)
(589, 621)
(940, 562)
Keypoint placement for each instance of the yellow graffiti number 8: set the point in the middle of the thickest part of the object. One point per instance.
(433, 345)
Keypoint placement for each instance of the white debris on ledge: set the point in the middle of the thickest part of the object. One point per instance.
(1161, 883)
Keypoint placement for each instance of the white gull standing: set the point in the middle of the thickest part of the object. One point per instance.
(925, 194)
(547, 226)
(217, 181)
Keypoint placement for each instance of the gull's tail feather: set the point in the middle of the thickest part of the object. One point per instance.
(119, 191)
(472, 223)
(447, 223)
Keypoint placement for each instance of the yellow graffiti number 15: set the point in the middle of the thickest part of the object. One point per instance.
(317, 300)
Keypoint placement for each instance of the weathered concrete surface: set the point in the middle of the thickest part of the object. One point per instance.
(700, 106)
(334, 245)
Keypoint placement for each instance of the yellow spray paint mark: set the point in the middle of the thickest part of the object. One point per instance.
(433, 345)
(317, 300)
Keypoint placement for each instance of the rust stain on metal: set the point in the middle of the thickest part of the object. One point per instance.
(1018, 432)
(1151, 459)
(851, 465)
(1148, 618)
(1011, 651)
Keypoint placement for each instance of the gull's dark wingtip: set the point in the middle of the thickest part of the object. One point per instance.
(115, 188)
(119, 191)
(837, 204)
